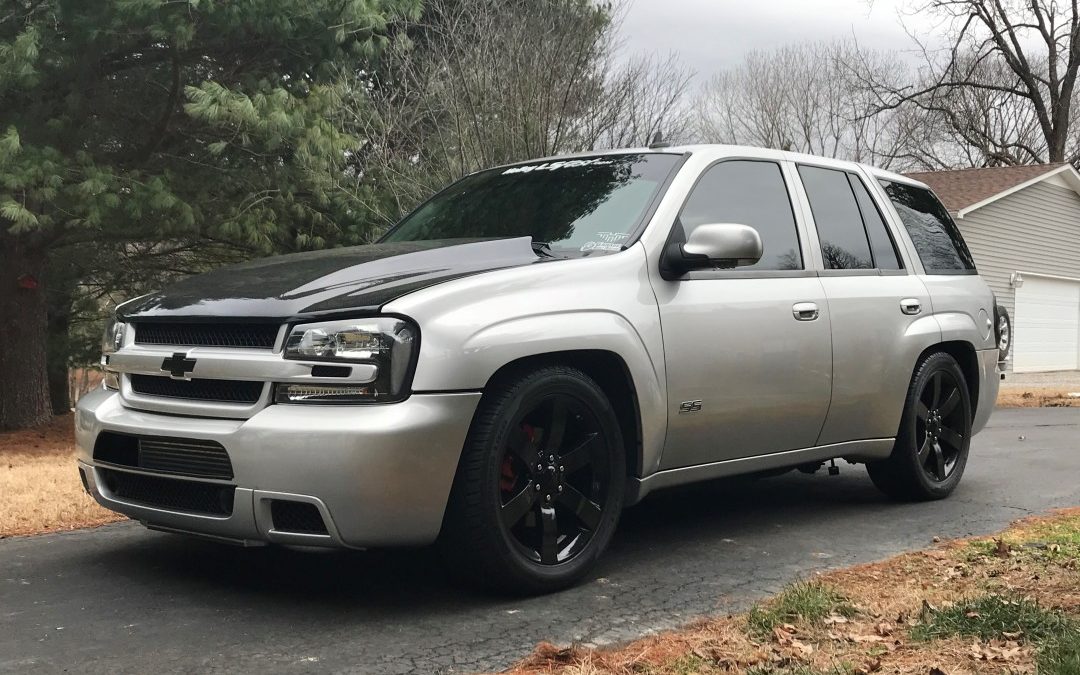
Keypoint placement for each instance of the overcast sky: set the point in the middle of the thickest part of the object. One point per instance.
(713, 34)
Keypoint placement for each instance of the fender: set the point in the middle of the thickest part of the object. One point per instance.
(498, 344)
(472, 327)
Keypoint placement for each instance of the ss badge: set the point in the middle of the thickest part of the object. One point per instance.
(689, 406)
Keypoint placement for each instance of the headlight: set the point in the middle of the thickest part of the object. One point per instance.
(388, 343)
(113, 339)
(111, 342)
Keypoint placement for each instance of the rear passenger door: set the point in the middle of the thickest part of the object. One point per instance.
(873, 300)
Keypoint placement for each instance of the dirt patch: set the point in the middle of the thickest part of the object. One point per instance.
(1025, 397)
(40, 483)
(1006, 604)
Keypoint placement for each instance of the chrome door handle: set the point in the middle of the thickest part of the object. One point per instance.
(910, 306)
(805, 311)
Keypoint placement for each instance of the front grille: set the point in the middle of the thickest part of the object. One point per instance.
(300, 517)
(181, 456)
(225, 391)
(248, 335)
(170, 493)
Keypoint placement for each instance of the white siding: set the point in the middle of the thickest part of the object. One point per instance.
(1034, 230)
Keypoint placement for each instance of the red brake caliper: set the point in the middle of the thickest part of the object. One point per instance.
(509, 475)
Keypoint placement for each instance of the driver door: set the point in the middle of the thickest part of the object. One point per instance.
(748, 350)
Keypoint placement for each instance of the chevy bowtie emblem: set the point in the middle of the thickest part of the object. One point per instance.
(178, 366)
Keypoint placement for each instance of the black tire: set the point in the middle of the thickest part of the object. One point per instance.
(495, 535)
(934, 438)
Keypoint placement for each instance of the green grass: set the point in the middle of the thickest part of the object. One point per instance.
(803, 601)
(990, 617)
(1061, 655)
(1051, 542)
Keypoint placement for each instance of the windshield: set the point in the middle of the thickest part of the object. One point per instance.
(575, 206)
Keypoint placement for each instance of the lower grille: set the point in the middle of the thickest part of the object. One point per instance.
(224, 391)
(300, 517)
(170, 493)
(182, 456)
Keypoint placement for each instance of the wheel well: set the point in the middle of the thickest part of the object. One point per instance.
(964, 353)
(610, 372)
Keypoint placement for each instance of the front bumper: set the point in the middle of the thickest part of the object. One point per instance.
(380, 475)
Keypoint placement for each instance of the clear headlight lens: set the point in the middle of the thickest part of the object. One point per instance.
(111, 342)
(113, 338)
(388, 343)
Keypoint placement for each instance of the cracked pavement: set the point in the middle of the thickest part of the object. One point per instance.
(123, 599)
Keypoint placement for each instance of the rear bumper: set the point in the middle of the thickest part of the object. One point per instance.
(379, 475)
(989, 383)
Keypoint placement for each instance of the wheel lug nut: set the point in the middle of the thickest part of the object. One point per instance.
(538, 487)
(562, 468)
(560, 488)
(539, 467)
(547, 498)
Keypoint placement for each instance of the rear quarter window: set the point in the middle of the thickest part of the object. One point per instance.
(936, 237)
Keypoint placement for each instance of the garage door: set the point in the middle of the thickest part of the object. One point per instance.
(1047, 325)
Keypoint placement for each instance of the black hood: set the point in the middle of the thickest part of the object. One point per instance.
(359, 278)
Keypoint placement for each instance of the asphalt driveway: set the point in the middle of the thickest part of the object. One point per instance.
(123, 599)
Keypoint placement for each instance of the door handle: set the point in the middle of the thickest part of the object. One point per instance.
(805, 311)
(910, 306)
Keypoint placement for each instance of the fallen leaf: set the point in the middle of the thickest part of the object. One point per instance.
(835, 618)
(804, 648)
(1012, 636)
(866, 638)
(972, 615)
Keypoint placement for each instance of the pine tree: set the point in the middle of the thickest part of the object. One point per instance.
(164, 129)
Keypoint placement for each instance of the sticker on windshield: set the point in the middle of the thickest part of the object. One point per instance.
(600, 246)
(562, 164)
(605, 241)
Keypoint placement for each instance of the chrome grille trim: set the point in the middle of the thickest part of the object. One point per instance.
(260, 366)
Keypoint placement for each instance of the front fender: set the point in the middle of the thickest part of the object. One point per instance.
(491, 347)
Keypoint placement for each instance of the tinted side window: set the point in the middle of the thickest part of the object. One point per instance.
(844, 245)
(935, 235)
(881, 243)
(749, 193)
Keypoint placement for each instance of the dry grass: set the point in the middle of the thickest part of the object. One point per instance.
(40, 483)
(962, 607)
(1025, 397)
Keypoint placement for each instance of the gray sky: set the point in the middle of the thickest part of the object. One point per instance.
(713, 34)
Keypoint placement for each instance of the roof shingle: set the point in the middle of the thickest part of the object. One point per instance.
(961, 188)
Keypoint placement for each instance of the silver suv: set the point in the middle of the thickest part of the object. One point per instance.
(543, 344)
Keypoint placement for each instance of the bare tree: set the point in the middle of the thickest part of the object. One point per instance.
(810, 97)
(477, 83)
(1004, 86)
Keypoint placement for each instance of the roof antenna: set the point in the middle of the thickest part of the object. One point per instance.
(658, 141)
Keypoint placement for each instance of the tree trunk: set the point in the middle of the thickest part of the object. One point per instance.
(24, 390)
(59, 349)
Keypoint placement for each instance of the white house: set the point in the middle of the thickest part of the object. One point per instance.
(1022, 225)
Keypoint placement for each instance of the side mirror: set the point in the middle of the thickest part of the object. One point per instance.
(720, 246)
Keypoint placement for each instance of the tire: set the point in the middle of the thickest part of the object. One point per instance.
(934, 437)
(535, 502)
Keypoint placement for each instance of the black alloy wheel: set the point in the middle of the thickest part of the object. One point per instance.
(934, 437)
(555, 480)
(939, 421)
(540, 485)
